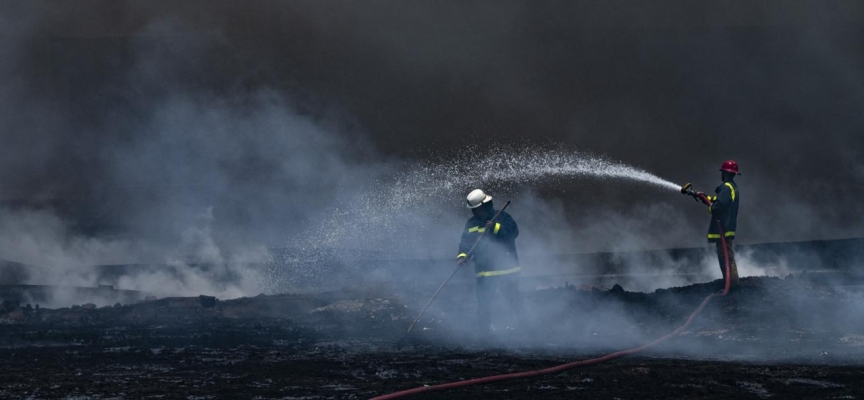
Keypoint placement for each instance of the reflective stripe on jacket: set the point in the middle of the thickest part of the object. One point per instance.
(724, 206)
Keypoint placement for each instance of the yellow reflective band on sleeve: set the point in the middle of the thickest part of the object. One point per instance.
(497, 227)
(476, 229)
(498, 273)
(729, 185)
(461, 255)
(717, 235)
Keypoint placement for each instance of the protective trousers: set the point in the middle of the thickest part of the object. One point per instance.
(506, 286)
(733, 267)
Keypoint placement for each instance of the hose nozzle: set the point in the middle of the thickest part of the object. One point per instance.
(688, 189)
(698, 196)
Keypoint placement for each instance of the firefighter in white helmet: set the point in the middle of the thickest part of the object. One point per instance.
(496, 263)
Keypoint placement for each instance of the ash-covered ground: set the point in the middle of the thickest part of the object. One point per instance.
(772, 337)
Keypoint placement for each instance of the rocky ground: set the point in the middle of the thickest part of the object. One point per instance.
(779, 338)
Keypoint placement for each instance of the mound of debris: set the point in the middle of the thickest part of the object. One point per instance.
(573, 318)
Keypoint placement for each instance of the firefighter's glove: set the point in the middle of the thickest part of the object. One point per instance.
(490, 224)
(461, 258)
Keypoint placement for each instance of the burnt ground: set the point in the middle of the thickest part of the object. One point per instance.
(778, 338)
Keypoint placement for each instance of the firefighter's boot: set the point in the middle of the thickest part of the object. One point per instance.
(733, 272)
(733, 266)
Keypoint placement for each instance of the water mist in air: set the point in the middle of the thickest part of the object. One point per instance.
(507, 167)
(420, 195)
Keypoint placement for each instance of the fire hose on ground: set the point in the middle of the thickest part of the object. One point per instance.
(686, 189)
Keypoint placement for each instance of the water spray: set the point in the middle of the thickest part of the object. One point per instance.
(509, 166)
(503, 169)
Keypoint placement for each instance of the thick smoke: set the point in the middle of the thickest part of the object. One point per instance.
(675, 91)
(162, 174)
(212, 133)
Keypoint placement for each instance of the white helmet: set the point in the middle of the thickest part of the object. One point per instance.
(477, 198)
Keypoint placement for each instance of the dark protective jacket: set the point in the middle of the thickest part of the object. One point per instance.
(496, 254)
(724, 207)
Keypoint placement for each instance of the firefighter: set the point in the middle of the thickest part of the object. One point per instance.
(724, 208)
(496, 264)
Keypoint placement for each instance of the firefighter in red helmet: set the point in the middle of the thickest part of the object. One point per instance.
(724, 208)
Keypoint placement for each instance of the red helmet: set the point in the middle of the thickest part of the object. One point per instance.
(730, 166)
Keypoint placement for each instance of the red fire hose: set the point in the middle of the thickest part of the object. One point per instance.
(582, 363)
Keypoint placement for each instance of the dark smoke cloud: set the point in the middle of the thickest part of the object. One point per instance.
(131, 120)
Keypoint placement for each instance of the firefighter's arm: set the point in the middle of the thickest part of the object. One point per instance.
(722, 201)
(706, 199)
(504, 226)
(464, 245)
